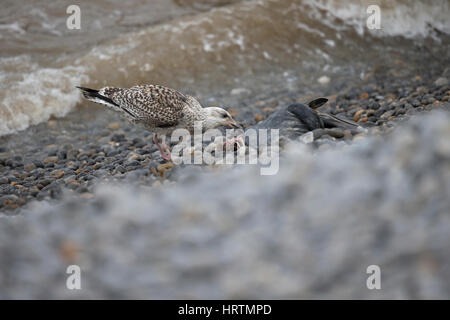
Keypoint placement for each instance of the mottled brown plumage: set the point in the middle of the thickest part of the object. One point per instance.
(159, 109)
(153, 105)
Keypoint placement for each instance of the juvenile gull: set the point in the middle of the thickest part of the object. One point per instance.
(160, 110)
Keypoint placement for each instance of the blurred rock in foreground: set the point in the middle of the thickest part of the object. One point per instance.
(308, 232)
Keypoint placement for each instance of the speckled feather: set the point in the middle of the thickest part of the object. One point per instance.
(157, 107)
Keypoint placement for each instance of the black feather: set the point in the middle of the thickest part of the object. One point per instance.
(92, 93)
(317, 103)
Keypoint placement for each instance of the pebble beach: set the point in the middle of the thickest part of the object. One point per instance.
(79, 185)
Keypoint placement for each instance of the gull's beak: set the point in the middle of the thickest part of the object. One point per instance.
(233, 124)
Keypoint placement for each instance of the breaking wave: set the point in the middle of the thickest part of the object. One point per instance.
(207, 50)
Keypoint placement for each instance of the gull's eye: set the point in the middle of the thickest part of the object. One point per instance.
(224, 115)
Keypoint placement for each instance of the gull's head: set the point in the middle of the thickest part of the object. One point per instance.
(216, 117)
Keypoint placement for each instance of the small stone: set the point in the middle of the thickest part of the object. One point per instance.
(165, 166)
(140, 144)
(387, 114)
(133, 156)
(308, 137)
(117, 137)
(335, 132)
(50, 160)
(348, 134)
(415, 103)
(258, 117)
(62, 155)
(72, 154)
(73, 184)
(323, 80)
(144, 151)
(357, 115)
(52, 152)
(132, 163)
(374, 105)
(45, 182)
(4, 180)
(112, 153)
(58, 174)
(113, 125)
(238, 91)
(30, 167)
(441, 81)
(370, 112)
(153, 167)
(34, 191)
(97, 166)
(318, 133)
(364, 95)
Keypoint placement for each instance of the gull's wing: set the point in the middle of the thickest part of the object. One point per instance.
(155, 105)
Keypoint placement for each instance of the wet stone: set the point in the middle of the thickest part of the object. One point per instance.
(62, 155)
(44, 182)
(50, 160)
(112, 153)
(118, 137)
(335, 132)
(72, 154)
(144, 151)
(97, 166)
(140, 144)
(318, 133)
(29, 167)
(132, 163)
(52, 152)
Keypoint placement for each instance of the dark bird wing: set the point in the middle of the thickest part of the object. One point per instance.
(330, 120)
(155, 105)
(333, 121)
(317, 103)
(306, 115)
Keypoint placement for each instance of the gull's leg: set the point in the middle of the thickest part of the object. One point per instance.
(168, 155)
(162, 149)
(155, 141)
